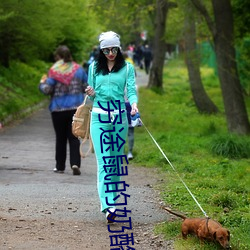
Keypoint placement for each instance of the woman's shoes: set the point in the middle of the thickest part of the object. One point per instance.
(130, 156)
(110, 215)
(58, 171)
(76, 170)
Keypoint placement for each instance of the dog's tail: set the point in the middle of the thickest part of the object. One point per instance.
(175, 213)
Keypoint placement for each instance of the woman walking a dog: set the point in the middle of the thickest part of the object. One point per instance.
(108, 78)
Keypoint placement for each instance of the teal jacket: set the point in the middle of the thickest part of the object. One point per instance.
(113, 86)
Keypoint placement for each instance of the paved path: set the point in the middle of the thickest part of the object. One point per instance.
(141, 78)
(30, 190)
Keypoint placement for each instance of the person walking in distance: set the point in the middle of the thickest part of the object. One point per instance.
(108, 77)
(131, 129)
(147, 54)
(65, 83)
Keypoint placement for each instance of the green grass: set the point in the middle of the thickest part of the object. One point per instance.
(214, 164)
(19, 88)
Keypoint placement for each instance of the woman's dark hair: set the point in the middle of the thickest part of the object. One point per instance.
(63, 52)
(102, 67)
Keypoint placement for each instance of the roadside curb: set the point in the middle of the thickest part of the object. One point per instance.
(22, 114)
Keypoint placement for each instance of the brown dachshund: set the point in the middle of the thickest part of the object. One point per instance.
(204, 229)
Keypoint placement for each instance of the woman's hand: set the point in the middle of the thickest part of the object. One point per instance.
(43, 79)
(134, 109)
(90, 91)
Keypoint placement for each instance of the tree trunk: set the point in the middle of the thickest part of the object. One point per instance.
(223, 38)
(159, 47)
(235, 109)
(201, 99)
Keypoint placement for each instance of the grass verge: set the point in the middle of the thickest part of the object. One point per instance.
(19, 89)
(214, 164)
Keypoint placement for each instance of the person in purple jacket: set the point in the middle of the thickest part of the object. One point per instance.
(65, 83)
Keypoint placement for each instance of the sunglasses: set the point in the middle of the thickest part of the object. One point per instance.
(106, 51)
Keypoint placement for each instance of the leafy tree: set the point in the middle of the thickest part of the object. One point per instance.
(28, 33)
(156, 72)
(175, 24)
(221, 28)
(126, 17)
(79, 28)
(201, 99)
(21, 34)
(242, 33)
(241, 18)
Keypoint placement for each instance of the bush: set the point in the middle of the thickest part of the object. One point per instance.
(223, 200)
(19, 88)
(231, 146)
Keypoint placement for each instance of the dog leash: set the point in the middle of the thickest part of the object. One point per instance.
(174, 170)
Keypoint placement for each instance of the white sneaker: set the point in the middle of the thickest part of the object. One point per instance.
(130, 156)
(110, 215)
(58, 171)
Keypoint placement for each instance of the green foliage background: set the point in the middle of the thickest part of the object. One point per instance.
(214, 165)
(29, 32)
